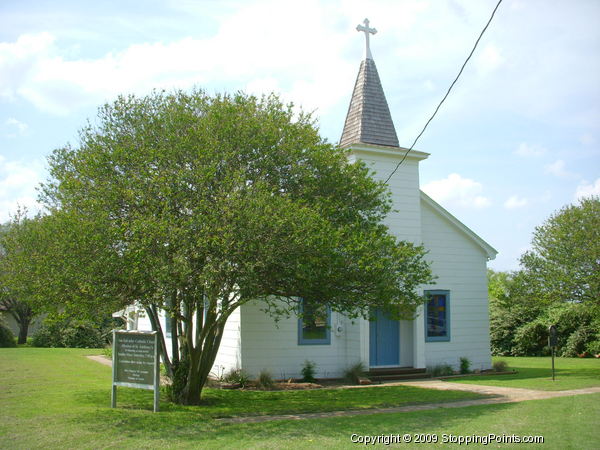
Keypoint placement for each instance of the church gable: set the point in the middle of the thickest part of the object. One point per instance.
(429, 205)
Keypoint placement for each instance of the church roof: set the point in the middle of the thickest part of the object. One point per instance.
(368, 120)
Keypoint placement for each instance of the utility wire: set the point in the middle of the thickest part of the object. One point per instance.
(447, 92)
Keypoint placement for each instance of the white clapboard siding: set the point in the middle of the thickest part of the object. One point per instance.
(460, 264)
(273, 346)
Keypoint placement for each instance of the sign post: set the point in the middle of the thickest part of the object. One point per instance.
(136, 362)
(552, 342)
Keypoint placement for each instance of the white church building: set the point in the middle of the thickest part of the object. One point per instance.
(454, 322)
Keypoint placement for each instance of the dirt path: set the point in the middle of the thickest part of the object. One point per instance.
(101, 359)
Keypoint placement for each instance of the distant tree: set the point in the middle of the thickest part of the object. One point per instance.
(563, 264)
(196, 205)
(558, 283)
(512, 305)
(14, 300)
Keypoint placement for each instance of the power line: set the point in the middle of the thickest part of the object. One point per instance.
(447, 92)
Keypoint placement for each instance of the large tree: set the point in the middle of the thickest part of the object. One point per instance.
(563, 264)
(196, 204)
(15, 298)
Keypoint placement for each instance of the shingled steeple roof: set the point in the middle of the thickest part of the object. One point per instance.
(368, 120)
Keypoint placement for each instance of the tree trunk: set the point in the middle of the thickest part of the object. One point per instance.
(23, 331)
(200, 364)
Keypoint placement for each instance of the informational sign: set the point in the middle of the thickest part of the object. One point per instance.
(136, 362)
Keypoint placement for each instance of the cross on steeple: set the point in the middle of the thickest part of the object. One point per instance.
(367, 31)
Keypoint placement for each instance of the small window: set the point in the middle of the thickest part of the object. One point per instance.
(437, 316)
(314, 325)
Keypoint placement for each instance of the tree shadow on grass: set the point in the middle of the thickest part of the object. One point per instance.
(190, 425)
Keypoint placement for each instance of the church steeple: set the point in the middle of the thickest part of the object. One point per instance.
(368, 120)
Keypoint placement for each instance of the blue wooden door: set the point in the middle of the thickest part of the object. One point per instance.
(384, 340)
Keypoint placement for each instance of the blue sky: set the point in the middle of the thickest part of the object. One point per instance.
(518, 138)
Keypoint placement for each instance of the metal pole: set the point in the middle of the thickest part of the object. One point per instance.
(156, 373)
(113, 396)
(552, 363)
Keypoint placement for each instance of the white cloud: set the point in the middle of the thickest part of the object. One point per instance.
(515, 202)
(14, 127)
(241, 53)
(526, 150)
(457, 191)
(586, 189)
(17, 186)
(559, 169)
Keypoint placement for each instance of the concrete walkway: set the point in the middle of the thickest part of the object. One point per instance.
(501, 395)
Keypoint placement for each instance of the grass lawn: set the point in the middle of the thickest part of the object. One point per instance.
(536, 373)
(56, 398)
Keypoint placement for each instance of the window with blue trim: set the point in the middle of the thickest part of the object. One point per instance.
(437, 316)
(314, 325)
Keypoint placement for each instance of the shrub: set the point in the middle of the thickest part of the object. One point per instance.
(465, 364)
(531, 339)
(578, 341)
(353, 373)
(265, 380)
(500, 366)
(66, 332)
(7, 338)
(82, 335)
(48, 335)
(238, 376)
(308, 372)
(594, 347)
(441, 370)
(503, 327)
(568, 319)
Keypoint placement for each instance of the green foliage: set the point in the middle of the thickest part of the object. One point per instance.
(511, 307)
(500, 366)
(441, 370)
(15, 298)
(558, 284)
(198, 204)
(238, 376)
(265, 380)
(531, 339)
(563, 262)
(73, 333)
(465, 365)
(578, 341)
(308, 372)
(356, 371)
(593, 347)
(7, 339)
